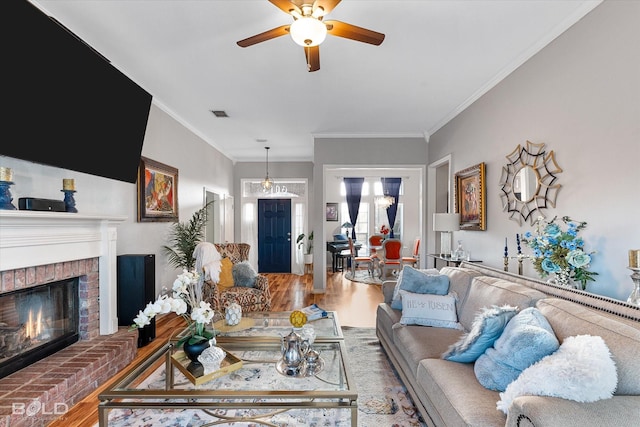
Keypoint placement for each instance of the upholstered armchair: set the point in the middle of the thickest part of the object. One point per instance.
(254, 298)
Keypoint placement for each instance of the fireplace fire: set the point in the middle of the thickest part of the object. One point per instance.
(36, 322)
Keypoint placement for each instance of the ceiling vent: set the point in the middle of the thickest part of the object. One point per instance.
(219, 113)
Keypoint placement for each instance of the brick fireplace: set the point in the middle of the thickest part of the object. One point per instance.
(38, 248)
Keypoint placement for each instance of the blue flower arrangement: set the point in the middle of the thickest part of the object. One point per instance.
(560, 251)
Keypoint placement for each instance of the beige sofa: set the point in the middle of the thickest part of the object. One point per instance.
(448, 394)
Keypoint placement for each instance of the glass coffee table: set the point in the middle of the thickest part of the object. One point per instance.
(251, 388)
(275, 325)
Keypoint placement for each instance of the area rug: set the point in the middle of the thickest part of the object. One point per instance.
(382, 398)
(362, 276)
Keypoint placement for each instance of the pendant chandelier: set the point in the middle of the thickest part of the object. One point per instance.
(384, 201)
(267, 182)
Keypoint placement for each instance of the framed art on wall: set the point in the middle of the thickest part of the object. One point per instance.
(332, 212)
(471, 198)
(157, 192)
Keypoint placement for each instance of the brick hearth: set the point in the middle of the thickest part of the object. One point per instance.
(43, 391)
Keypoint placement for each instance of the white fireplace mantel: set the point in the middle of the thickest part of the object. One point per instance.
(29, 238)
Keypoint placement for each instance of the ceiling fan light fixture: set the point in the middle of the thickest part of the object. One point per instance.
(308, 31)
(318, 12)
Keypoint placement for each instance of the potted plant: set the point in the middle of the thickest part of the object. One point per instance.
(308, 256)
(183, 239)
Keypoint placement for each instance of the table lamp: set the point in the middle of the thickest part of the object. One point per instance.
(347, 225)
(445, 223)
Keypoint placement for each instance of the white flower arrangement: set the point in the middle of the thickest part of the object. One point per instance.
(187, 295)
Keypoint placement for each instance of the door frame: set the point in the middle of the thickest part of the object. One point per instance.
(247, 231)
(437, 185)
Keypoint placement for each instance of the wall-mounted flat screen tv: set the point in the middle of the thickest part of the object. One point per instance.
(65, 105)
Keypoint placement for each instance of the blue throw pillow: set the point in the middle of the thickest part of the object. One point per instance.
(527, 338)
(485, 330)
(419, 282)
(244, 274)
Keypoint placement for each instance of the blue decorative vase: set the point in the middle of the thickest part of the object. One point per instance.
(194, 350)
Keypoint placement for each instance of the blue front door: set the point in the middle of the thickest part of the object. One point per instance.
(274, 236)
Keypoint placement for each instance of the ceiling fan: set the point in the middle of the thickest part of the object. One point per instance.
(309, 30)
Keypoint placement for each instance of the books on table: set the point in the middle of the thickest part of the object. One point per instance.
(313, 312)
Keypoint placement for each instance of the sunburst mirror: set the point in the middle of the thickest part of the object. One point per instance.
(529, 182)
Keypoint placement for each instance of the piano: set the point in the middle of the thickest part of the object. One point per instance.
(338, 246)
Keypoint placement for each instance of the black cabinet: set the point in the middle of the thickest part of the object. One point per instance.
(136, 288)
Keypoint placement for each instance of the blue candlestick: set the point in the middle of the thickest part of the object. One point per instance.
(506, 249)
(69, 201)
(518, 242)
(5, 196)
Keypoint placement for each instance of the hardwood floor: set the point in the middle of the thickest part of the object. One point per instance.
(354, 302)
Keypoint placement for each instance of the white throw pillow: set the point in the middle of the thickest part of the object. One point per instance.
(428, 281)
(429, 310)
(581, 369)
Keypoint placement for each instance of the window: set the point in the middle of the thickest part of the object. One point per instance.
(362, 224)
(380, 218)
(364, 192)
(371, 216)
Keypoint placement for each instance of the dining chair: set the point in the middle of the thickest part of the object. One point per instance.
(357, 261)
(375, 243)
(415, 256)
(392, 256)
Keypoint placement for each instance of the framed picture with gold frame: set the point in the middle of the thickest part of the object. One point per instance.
(471, 198)
(157, 192)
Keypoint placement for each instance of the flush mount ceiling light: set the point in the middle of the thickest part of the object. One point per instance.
(309, 30)
(267, 182)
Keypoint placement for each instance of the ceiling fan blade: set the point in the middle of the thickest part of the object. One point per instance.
(313, 58)
(267, 35)
(327, 5)
(348, 31)
(285, 6)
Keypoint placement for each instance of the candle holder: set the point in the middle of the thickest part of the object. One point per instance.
(69, 201)
(520, 257)
(634, 298)
(5, 196)
(506, 263)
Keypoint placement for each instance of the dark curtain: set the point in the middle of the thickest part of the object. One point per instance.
(391, 187)
(354, 194)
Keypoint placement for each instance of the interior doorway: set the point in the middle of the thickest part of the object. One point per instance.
(293, 189)
(438, 196)
(213, 226)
